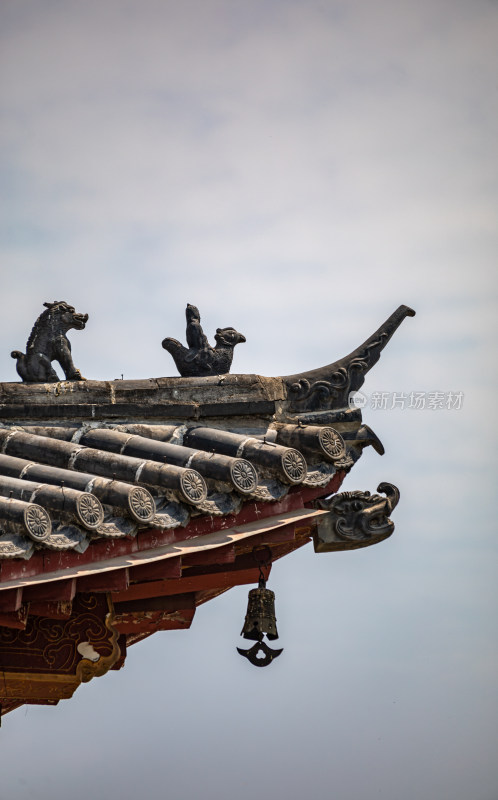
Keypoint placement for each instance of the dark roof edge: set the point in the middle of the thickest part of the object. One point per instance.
(329, 387)
(326, 388)
(159, 398)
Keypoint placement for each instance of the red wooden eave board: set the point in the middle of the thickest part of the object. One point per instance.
(47, 561)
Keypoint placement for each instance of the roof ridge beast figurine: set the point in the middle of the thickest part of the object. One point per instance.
(48, 342)
(200, 359)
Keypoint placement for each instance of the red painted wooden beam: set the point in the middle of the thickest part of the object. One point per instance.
(116, 580)
(139, 627)
(58, 592)
(158, 613)
(181, 601)
(157, 570)
(51, 610)
(16, 619)
(10, 601)
(284, 534)
(218, 555)
(194, 583)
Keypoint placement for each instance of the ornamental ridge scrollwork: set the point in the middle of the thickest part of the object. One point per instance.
(339, 380)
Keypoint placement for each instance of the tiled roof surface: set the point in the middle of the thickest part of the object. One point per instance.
(63, 488)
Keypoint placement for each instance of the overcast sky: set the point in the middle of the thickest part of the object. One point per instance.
(297, 170)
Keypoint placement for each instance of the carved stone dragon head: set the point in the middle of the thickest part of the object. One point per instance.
(356, 519)
(66, 315)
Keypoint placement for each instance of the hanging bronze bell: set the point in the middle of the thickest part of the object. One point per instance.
(260, 617)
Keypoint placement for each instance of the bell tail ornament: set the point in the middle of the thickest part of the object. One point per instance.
(260, 654)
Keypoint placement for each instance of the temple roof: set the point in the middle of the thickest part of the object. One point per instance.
(82, 460)
(86, 465)
(160, 494)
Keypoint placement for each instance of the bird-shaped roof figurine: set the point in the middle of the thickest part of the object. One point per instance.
(199, 358)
